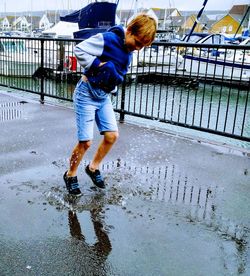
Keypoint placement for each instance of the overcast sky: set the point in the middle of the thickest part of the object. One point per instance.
(34, 5)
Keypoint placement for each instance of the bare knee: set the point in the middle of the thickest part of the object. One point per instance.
(84, 145)
(111, 136)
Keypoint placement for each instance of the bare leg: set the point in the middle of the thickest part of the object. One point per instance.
(104, 147)
(77, 155)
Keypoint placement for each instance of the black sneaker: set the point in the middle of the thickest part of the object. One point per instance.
(72, 185)
(96, 177)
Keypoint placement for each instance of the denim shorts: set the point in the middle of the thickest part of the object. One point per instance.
(92, 105)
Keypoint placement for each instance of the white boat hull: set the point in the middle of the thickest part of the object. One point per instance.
(16, 59)
(17, 68)
(215, 68)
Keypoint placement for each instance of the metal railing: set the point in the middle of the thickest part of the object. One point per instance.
(202, 87)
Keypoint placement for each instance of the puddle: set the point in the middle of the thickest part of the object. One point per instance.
(168, 186)
(163, 199)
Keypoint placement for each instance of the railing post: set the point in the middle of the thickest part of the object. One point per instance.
(122, 113)
(42, 70)
(61, 56)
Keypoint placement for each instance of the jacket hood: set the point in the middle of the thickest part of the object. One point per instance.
(118, 30)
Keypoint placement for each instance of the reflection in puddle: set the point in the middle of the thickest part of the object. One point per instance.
(102, 247)
(166, 184)
(11, 110)
(95, 252)
(181, 194)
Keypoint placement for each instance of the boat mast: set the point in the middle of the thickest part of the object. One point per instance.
(243, 19)
(197, 19)
(68, 6)
(31, 16)
(136, 7)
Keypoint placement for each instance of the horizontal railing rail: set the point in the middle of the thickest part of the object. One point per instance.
(199, 86)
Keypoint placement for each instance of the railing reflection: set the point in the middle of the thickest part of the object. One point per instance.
(11, 111)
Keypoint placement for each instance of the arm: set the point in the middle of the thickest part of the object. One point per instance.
(88, 51)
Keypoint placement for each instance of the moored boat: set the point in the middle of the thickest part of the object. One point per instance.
(217, 62)
(16, 59)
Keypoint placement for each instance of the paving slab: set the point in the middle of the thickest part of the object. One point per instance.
(172, 206)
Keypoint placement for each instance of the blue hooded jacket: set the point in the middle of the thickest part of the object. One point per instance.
(106, 47)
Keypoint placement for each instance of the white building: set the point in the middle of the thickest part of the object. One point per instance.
(5, 24)
(44, 23)
(21, 24)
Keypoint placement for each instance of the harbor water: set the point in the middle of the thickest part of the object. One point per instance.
(208, 106)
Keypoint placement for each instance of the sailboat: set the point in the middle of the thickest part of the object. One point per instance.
(16, 59)
(95, 18)
(220, 62)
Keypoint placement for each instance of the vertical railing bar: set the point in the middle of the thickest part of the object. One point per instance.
(141, 86)
(42, 70)
(238, 95)
(210, 107)
(134, 108)
(187, 104)
(227, 109)
(123, 94)
(147, 90)
(172, 108)
(244, 116)
(218, 110)
(236, 110)
(149, 75)
(180, 103)
(160, 89)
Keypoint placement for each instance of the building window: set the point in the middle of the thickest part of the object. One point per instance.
(230, 28)
(224, 29)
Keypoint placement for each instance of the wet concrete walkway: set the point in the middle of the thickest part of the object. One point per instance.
(173, 206)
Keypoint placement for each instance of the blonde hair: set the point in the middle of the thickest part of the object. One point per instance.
(144, 27)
